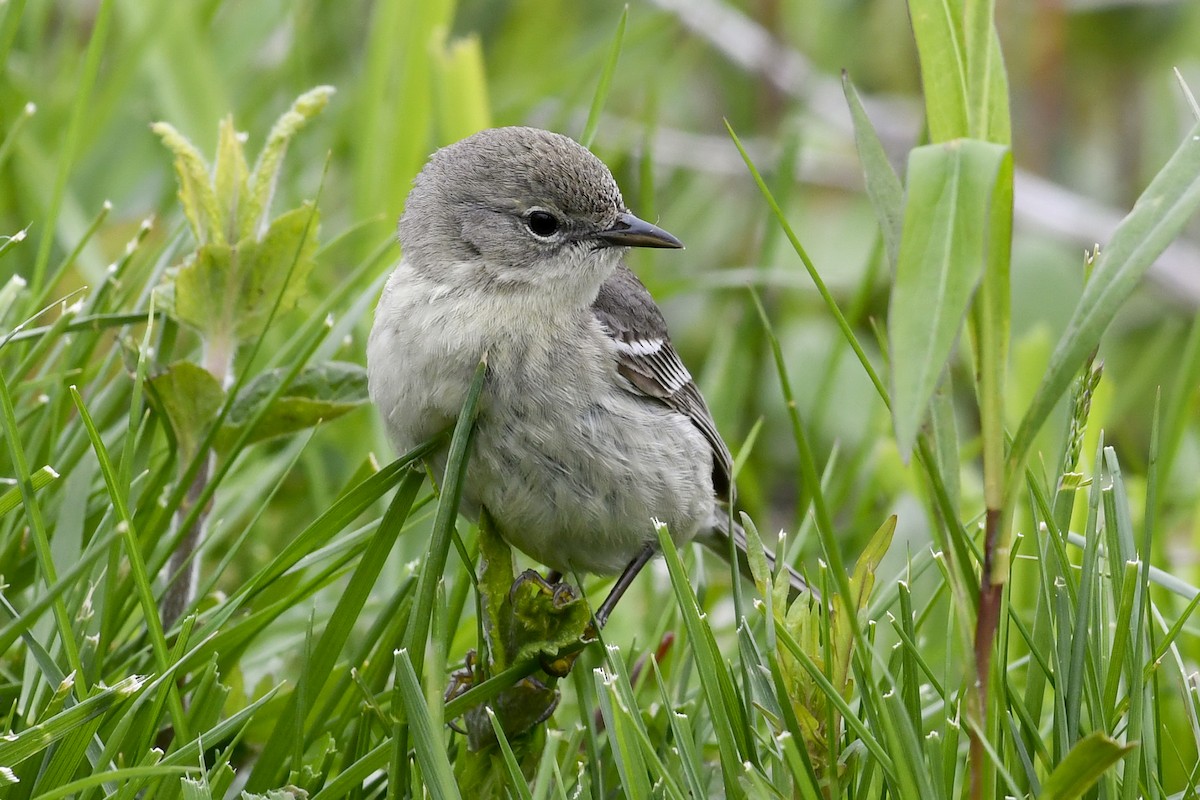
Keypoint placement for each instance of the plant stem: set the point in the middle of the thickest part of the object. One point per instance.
(985, 631)
(184, 567)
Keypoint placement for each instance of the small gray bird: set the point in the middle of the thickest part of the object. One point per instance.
(590, 427)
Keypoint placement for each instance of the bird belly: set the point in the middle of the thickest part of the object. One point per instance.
(578, 484)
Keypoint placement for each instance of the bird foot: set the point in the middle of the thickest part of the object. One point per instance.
(561, 593)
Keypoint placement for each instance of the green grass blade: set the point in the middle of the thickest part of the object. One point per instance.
(137, 565)
(516, 781)
(11, 500)
(435, 768)
(447, 512)
(1155, 221)
(73, 137)
(337, 631)
(606, 75)
(715, 679)
(126, 775)
(16, 748)
(822, 289)
(883, 186)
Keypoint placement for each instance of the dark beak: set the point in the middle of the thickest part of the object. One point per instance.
(629, 231)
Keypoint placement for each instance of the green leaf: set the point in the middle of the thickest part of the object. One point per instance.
(987, 80)
(1156, 219)
(718, 690)
(226, 292)
(435, 768)
(937, 28)
(610, 66)
(1083, 766)
(453, 478)
(230, 177)
(200, 205)
(11, 500)
(14, 287)
(460, 82)
(320, 393)
(252, 219)
(544, 620)
(883, 187)
(190, 398)
(950, 189)
(15, 748)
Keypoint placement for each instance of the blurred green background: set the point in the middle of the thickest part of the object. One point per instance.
(1096, 111)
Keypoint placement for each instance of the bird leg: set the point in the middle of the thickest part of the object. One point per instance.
(624, 580)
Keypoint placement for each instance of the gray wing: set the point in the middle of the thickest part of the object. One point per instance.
(646, 359)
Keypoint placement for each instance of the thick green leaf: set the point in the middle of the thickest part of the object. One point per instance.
(946, 215)
(320, 393)
(190, 398)
(937, 27)
(1083, 766)
(228, 292)
(460, 81)
(1156, 219)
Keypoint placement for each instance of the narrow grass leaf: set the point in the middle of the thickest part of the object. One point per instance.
(17, 747)
(822, 289)
(621, 684)
(626, 752)
(137, 565)
(610, 66)
(127, 776)
(1156, 220)
(516, 781)
(11, 500)
(883, 186)
(69, 149)
(690, 761)
(337, 631)
(447, 512)
(431, 755)
(37, 526)
(714, 679)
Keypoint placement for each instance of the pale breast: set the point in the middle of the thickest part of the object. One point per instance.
(573, 469)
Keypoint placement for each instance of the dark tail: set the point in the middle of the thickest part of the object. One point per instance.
(717, 540)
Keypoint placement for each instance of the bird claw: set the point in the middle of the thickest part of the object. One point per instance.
(561, 593)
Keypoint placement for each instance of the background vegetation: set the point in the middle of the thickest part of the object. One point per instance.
(283, 674)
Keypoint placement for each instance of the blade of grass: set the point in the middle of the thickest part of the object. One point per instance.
(435, 768)
(830, 302)
(1156, 219)
(606, 74)
(269, 766)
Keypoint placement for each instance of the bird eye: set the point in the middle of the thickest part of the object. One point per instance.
(541, 223)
